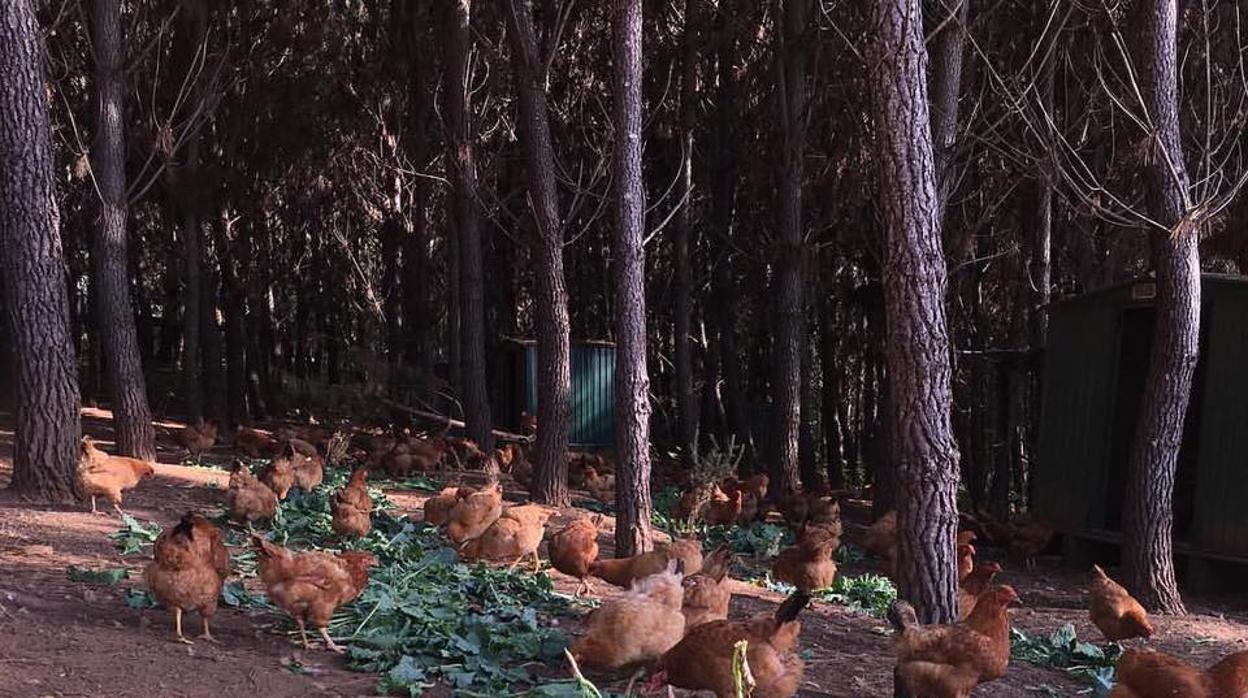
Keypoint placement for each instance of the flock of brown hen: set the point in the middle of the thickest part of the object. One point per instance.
(673, 614)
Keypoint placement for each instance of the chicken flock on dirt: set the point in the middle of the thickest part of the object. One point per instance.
(673, 614)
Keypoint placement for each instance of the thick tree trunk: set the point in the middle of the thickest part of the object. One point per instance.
(550, 484)
(132, 419)
(463, 171)
(791, 269)
(45, 448)
(914, 297)
(1148, 513)
(632, 381)
(682, 314)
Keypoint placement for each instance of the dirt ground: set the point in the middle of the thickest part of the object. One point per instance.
(61, 638)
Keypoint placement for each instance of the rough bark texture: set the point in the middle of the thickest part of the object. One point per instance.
(632, 382)
(790, 274)
(914, 298)
(1148, 514)
(682, 314)
(133, 429)
(463, 171)
(45, 448)
(948, 47)
(550, 484)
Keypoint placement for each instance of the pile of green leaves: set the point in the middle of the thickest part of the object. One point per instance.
(867, 593)
(134, 537)
(1062, 649)
(103, 578)
(758, 539)
(426, 616)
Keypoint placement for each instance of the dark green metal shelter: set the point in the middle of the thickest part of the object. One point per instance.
(514, 389)
(1096, 360)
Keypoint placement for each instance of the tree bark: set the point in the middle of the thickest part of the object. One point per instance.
(724, 182)
(948, 47)
(132, 419)
(682, 314)
(632, 381)
(550, 481)
(791, 270)
(412, 17)
(831, 393)
(215, 382)
(1148, 513)
(45, 448)
(463, 171)
(914, 295)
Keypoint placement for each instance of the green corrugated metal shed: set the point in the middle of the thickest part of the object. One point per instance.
(514, 389)
(1095, 362)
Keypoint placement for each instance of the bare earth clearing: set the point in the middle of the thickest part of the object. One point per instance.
(61, 638)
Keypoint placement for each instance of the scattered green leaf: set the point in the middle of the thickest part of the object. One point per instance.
(105, 578)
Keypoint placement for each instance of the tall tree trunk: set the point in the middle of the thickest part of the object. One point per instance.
(463, 171)
(45, 448)
(831, 394)
(682, 314)
(551, 312)
(632, 392)
(191, 234)
(724, 181)
(132, 419)
(1148, 512)
(914, 301)
(807, 449)
(413, 38)
(948, 47)
(215, 381)
(791, 274)
(235, 323)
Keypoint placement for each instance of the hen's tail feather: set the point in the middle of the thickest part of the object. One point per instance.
(792, 606)
(901, 615)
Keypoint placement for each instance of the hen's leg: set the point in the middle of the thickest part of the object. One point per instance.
(303, 632)
(207, 634)
(329, 641)
(177, 626)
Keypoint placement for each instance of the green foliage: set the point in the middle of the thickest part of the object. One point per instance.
(1063, 650)
(758, 539)
(105, 578)
(139, 598)
(868, 593)
(425, 617)
(134, 537)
